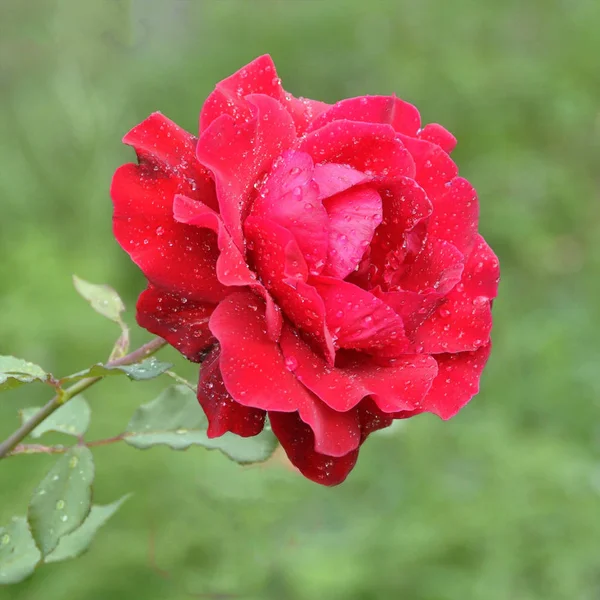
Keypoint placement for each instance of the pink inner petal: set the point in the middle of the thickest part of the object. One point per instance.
(353, 217)
(289, 197)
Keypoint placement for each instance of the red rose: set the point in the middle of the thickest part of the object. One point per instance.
(326, 257)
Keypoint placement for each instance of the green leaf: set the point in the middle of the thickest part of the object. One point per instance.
(102, 298)
(76, 543)
(62, 501)
(18, 552)
(147, 369)
(16, 371)
(72, 418)
(175, 419)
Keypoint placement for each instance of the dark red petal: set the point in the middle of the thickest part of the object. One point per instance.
(368, 147)
(464, 321)
(436, 269)
(456, 215)
(371, 418)
(457, 381)
(297, 439)
(224, 414)
(401, 385)
(164, 146)
(358, 320)
(237, 154)
(335, 433)
(434, 168)
(401, 115)
(231, 268)
(436, 134)
(258, 77)
(252, 365)
(289, 197)
(183, 323)
(282, 269)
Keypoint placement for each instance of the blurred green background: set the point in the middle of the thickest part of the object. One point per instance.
(502, 502)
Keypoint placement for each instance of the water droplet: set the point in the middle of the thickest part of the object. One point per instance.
(480, 301)
(5, 539)
(291, 363)
(64, 518)
(444, 312)
(160, 230)
(73, 462)
(339, 314)
(60, 505)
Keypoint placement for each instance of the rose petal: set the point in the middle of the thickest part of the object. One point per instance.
(303, 110)
(182, 322)
(405, 205)
(456, 215)
(224, 414)
(413, 307)
(333, 179)
(258, 77)
(371, 418)
(437, 268)
(399, 386)
(457, 381)
(237, 154)
(282, 269)
(335, 433)
(436, 134)
(289, 197)
(353, 217)
(359, 320)
(297, 439)
(368, 147)
(231, 267)
(401, 115)
(434, 168)
(172, 256)
(464, 321)
(166, 147)
(252, 365)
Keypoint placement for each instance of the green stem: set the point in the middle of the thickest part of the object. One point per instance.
(181, 380)
(22, 432)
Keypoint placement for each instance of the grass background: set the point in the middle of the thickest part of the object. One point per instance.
(501, 503)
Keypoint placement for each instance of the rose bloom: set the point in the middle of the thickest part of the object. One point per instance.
(322, 261)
